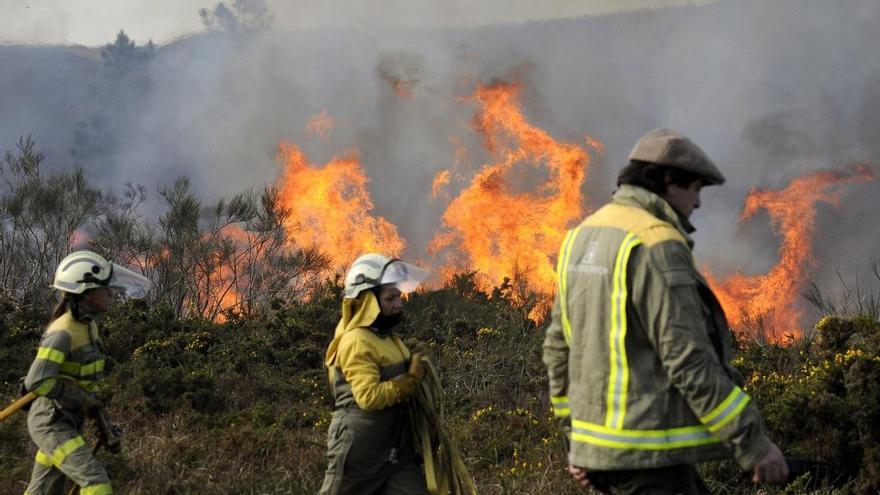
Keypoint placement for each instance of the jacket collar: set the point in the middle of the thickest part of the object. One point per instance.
(655, 205)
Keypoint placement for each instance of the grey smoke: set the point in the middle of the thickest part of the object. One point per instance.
(771, 90)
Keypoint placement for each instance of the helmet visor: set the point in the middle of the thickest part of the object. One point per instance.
(133, 284)
(404, 276)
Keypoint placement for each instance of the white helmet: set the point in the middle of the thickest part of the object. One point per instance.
(372, 270)
(80, 271)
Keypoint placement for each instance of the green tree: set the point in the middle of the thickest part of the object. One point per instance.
(40, 217)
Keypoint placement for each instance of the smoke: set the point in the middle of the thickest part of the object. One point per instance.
(771, 91)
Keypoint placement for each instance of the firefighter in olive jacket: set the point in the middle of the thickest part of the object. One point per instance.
(638, 349)
(370, 447)
(66, 372)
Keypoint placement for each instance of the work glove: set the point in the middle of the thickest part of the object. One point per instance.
(417, 365)
(408, 383)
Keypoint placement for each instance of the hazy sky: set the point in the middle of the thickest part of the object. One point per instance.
(96, 22)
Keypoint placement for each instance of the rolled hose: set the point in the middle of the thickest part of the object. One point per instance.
(445, 472)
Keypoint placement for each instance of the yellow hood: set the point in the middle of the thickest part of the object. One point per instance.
(359, 312)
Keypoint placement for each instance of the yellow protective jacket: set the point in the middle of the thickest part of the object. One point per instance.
(638, 348)
(361, 361)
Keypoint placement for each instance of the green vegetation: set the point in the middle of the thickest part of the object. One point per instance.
(243, 406)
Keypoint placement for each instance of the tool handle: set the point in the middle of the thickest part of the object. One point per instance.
(15, 406)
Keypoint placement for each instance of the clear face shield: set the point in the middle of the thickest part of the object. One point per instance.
(405, 277)
(129, 283)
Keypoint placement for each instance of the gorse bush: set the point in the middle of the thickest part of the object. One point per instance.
(243, 406)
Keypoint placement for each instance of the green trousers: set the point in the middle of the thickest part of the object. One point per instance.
(360, 458)
(672, 480)
(62, 453)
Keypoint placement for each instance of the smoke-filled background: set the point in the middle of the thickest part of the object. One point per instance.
(771, 90)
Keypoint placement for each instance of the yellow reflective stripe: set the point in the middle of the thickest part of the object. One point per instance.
(70, 367)
(43, 459)
(561, 412)
(725, 412)
(562, 273)
(45, 387)
(50, 354)
(618, 378)
(560, 289)
(618, 438)
(74, 368)
(92, 368)
(561, 408)
(66, 448)
(102, 489)
(90, 385)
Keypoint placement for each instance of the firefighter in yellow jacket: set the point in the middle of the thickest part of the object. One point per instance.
(66, 372)
(638, 349)
(370, 448)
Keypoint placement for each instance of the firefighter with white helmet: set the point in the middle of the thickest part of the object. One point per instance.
(372, 373)
(66, 372)
(638, 350)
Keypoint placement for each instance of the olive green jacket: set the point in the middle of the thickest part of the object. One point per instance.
(638, 349)
(69, 362)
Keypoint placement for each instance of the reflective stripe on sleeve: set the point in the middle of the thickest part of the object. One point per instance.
(725, 412)
(618, 378)
(50, 354)
(561, 408)
(618, 438)
(46, 386)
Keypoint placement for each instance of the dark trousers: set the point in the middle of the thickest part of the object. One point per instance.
(672, 480)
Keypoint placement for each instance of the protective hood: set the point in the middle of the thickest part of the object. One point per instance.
(359, 312)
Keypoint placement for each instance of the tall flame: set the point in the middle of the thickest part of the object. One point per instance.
(331, 207)
(771, 299)
(499, 230)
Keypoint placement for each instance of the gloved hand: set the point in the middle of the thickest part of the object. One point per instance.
(417, 366)
(407, 383)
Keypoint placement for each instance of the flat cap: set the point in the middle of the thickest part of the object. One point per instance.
(672, 149)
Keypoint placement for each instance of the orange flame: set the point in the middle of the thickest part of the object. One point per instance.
(440, 180)
(321, 125)
(771, 299)
(331, 207)
(501, 231)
